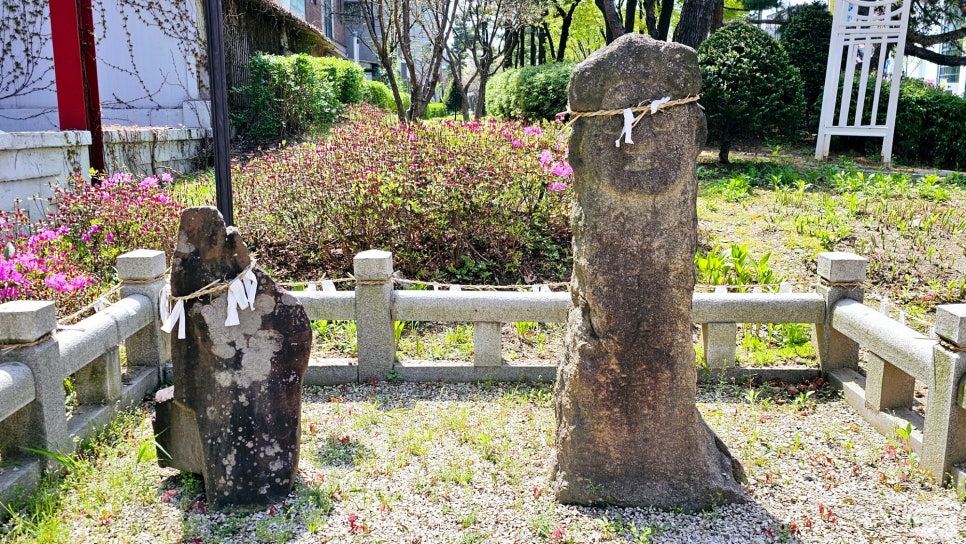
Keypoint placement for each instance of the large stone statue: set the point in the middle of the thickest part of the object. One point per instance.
(628, 430)
(233, 414)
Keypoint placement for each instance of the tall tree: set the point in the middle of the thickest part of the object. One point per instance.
(425, 29)
(381, 19)
(695, 23)
(418, 31)
(613, 27)
(456, 55)
(566, 20)
(493, 29)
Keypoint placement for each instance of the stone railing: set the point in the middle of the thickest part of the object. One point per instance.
(113, 359)
(37, 355)
(897, 358)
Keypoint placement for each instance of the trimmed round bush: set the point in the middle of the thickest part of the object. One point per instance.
(806, 39)
(750, 88)
(533, 92)
(543, 90)
(378, 94)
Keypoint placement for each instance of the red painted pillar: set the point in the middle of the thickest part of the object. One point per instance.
(75, 72)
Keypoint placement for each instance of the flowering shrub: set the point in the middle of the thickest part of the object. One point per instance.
(70, 255)
(39, 266)
(452, 200)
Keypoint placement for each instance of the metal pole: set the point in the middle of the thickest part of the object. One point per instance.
(219, 108)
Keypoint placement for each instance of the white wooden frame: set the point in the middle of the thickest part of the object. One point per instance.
(860, 29)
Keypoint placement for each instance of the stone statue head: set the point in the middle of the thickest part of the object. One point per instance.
(636, 70)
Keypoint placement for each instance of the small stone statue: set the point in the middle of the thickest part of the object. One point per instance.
(233, 414)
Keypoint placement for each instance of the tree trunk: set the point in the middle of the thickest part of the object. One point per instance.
(567, 20)
(533, 46)
(724, 149)
(664, 22)
(612, 20)
(511, 51)
(650, 20)
(695, 22)
(542, 50)
(630, 15)
(717, 17)
(480, 109)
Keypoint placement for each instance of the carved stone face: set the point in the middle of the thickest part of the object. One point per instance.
(663, 146)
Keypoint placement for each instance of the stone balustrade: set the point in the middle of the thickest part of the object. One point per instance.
(37, 355)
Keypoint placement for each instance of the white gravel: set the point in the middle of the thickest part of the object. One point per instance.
(437, 463)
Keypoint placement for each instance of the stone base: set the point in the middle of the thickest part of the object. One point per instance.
(177, 436)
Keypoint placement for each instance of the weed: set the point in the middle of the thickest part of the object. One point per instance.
(803, 400)
(393, 376)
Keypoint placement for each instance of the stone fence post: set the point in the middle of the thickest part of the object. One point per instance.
(26, 332)
(944, 436)
(376, 338)
(142, 272)
(842, 275)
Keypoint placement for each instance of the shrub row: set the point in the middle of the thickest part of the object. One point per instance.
(295, 94)
(532, 93)
(930, 126)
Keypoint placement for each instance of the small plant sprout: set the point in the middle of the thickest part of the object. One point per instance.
(905, 434)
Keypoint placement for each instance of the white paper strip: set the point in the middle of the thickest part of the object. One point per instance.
(175, 316)
(628, 127)
(237, 298)
(251, 288)
(657, 104)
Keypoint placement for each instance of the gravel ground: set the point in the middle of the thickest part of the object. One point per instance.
(470, 463)
(438, 463)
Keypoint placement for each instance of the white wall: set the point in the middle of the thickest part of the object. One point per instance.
(27, 98)
(148, 60)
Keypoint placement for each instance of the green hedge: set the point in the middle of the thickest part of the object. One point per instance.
(930, 126)
(501, 95)
(533, 92)
(435, 110)
(293, 94)
(378, 94)
(347, 76)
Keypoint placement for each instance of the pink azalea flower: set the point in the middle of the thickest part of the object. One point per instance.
(546, 157)
(556, 186)
(533, 131)
(562, 169)
(516, 143)
(148, 183)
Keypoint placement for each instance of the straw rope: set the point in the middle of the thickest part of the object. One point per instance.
(214, 287)
(642, 109)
